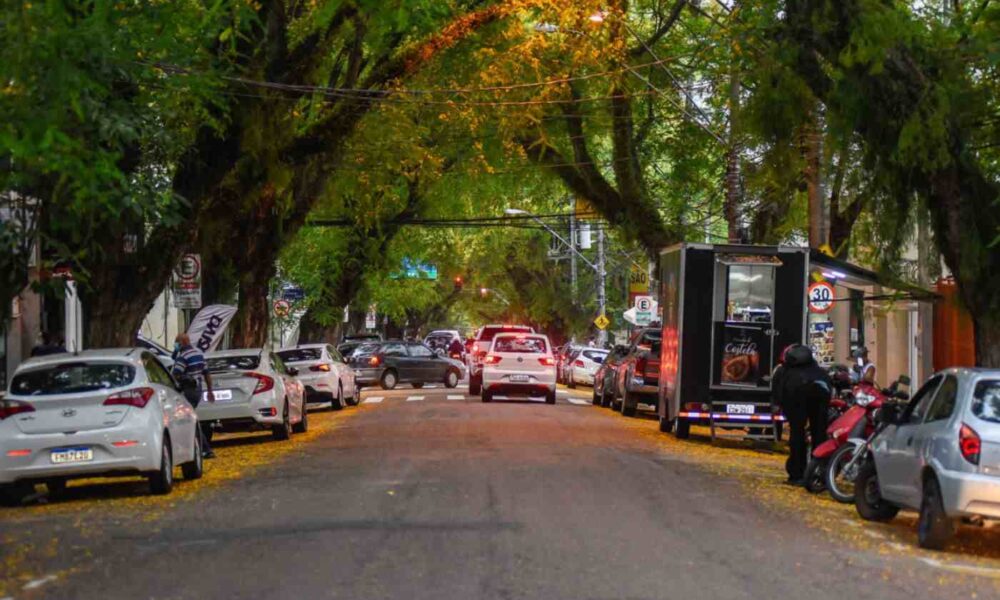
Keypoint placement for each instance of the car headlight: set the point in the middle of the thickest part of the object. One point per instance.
(863, 399)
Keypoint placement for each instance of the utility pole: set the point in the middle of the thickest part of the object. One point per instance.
(572, 240)
(602, 334)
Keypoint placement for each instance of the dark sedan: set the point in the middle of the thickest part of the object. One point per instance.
(393, 362)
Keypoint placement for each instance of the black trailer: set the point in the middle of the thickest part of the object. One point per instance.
(728, 311)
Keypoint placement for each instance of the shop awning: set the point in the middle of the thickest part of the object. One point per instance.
(841, 270)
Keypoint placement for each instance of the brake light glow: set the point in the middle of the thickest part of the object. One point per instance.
(264, 383)
(970, 444)
(269, 412)
(491, 359)
(137, 397)
(9, 408)
(19, 452)
(578, 363)
(547, 361)
(375, 361)
(324, 367)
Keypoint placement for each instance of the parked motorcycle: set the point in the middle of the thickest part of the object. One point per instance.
(834, 463)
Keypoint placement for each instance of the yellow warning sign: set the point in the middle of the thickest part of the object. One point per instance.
(602, 322)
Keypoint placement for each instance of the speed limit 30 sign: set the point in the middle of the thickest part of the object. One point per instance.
(820, 297)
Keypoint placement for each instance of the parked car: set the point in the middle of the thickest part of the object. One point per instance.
(604, 377)
(254, 390)
(481, 344)
(350, 343)
(327, 378)
(162, 354)
(637, 377)
(393, 362)
(583, 366)
(97, 413)
(563, 359)
(940, 455)
(519, 364)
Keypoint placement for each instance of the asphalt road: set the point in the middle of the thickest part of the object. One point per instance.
(420, 496)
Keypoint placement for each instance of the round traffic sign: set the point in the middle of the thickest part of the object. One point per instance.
(282, 308)
(189, 268)
(820, 297)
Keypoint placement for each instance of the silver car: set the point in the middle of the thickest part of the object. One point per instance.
(253, 390)
(99, 412)
(939, 455)
(322, 370)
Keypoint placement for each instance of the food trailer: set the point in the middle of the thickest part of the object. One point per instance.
(728, 311)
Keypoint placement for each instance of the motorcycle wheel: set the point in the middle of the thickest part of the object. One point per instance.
(814, 476)
(837, 480)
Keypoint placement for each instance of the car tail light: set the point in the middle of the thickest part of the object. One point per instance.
(491, 359)
(323, 367)
(578, 363)
(547, 361)
(137, 397)
(970, 444)
(264, 383)
(19, 452)
(9, 408)
(269, 412)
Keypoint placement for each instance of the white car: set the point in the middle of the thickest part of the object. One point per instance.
(584, 366)
(324, 373)
(519, 364)
(253, 390)
(95, 413)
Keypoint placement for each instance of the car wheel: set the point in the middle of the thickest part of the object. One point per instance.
(13, 494)
(868, 497)
(487, 396)
(934, 528)
(628, 405)
(666, 425)
(570, 382)
(417, 385)
(682, 429)
(195, 468)
(337, 402)
(162, 481)
(303, 425)
(353, 400)
(451, 379)
(389, 380)
(283, 431)
(475, 385)
(550, 397)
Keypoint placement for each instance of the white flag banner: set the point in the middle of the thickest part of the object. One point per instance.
(208, 326)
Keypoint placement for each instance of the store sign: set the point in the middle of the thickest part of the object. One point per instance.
(187, 282)
(820, 297)
(638, 280)
(740, 360)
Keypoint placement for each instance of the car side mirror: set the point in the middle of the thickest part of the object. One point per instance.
(901, 396)
(904, 380)
(293, 371)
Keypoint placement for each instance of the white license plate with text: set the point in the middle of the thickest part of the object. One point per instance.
(220, 395)
(740, 409)
(519, 378)
(62, 456)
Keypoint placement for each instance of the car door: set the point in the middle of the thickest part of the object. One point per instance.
(896, 446)
(345, 374)
(396, 357)
(425, 362)
(293, 389)
(934, 431)
(177, 412)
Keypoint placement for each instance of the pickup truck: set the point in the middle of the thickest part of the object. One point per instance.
(637, 376)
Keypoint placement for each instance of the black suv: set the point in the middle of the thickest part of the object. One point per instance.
(392, 362)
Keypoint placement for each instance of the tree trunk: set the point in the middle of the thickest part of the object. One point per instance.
(987, 330)
(813, 134)
(252, 318)
(731, 205)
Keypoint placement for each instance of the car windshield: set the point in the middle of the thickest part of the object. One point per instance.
(986, 401)
(438, 341)
(528, 345)
(69, 378)
(491, 332)
(241, 362)
(300, 354)
(595, 355)
(366, 349)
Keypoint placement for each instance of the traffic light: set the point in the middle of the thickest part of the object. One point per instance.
(458, 283)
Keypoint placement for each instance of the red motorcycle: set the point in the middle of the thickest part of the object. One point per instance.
(834, 463)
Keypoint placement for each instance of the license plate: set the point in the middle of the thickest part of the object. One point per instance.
(519, 379)
(740, 409)
(219, 395)
(71, 455)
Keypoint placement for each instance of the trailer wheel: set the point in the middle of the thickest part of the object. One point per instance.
(666, 425)
(682, 429)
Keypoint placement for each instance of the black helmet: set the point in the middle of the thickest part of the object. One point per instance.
(798, 355)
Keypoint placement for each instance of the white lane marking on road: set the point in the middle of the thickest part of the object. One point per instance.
(372, 400)
(37, 583)
(578, 402)
(963, 569)
(455, 397)
(415, 398)
(563, 392)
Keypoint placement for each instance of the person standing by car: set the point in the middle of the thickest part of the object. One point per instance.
(805, 391)
(190, 371)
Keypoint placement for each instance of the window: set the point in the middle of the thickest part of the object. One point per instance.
(986, 401)
(595, 355)
(70, 378)
(917, 407)
(419, 351)
(157, 374)
(750, 293)
(394, 350)
(243, 362)
(301, 354)
(438, 341)
(527, 345)
(944, 400)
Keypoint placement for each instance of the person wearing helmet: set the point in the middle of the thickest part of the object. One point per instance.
(805, 392)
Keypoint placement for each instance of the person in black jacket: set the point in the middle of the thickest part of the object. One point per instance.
(805, 392)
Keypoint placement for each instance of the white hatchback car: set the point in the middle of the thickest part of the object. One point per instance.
(519, 364)
(98, 412)
(253, 390)
(585, 364)
(324, 373)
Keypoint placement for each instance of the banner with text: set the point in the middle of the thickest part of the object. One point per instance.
(208, 326)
